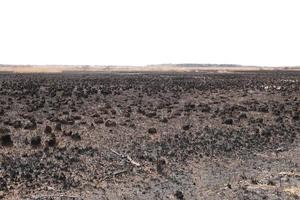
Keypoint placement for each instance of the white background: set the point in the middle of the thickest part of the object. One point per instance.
(140, 32)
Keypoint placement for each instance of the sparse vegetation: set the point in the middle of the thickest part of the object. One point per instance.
(150, 135)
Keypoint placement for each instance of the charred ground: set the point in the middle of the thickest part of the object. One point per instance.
(150, 135)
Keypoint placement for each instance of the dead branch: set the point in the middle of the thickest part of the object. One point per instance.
(126, 157)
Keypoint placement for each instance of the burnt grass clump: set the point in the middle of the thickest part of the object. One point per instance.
(142, 133)
(56, 167)
(217, 142)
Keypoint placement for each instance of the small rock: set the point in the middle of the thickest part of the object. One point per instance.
(58, 127)
(95, 115)
(164, 120)
(30, 126)
(2, 195)
(127, 114)
(113, 112)
(76, 136)
(7, 122)
(3, 184)
(285, 179)
(6, 140)
(36, 141)
(271, 182)
(254, 181)
(48, 129)
(77, 117)
(296, 116)
(110, 123)
(99, 121)
(65, 133)
(179, 195)
(243, 116)
(186, 127)
(229, 185)
(132, 125)
(65, 112)
(279, 119)
(263, 108)
(266, 132)
(151, 114)
(4, 130)
(259, 120)
(17, 124)
(52, 141)
(152, 130)
(228, 121)
(160, 166)
(205, 109)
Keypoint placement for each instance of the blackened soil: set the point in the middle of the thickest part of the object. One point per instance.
(150, 136)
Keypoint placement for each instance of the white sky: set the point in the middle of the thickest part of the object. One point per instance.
(140, 32)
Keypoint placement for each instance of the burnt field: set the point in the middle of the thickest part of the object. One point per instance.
(150, 135)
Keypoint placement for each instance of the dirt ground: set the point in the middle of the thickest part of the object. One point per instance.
(150, 135)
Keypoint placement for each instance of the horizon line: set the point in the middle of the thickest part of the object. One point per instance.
(151, 65)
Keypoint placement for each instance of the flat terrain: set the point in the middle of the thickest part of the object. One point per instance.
(150, 135)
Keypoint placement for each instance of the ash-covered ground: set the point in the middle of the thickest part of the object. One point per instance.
(150, 136)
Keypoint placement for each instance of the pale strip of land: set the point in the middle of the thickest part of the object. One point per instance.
(148, 68)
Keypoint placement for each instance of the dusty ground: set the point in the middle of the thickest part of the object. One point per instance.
(150, 136)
